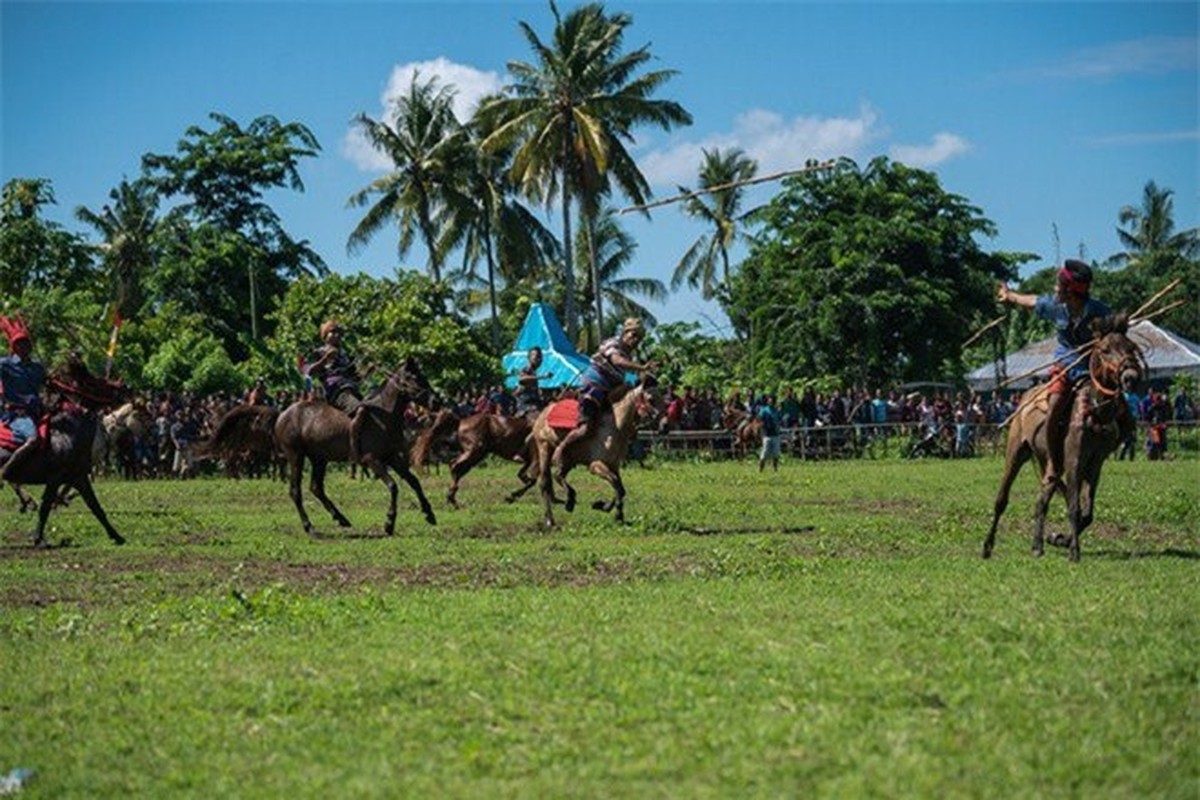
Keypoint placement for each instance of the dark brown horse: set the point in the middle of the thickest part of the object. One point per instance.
(477, 436)
(243, 438)
(318, 432)
(64, 461)
(1099, 419)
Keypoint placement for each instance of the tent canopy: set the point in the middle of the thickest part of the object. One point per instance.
(1167, 354)
(561, 361)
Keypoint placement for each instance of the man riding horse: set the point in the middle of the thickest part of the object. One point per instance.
(605, 372)
(339, 379)
(529, 395)
(1071, 309)
(21, 380)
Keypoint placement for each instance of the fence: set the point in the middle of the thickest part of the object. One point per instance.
(892, 440)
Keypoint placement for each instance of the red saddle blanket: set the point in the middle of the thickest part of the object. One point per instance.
(7, 440)
(564, 414)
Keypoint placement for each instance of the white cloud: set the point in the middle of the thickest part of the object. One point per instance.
(943, 147)
(470, 86)
(1151, 55)
(775, 143)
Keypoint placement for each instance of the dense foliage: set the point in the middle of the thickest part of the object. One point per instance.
(869, 274)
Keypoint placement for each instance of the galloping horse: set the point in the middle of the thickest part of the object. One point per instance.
(602, 449)
(478, 436)
(1098, 419)
(315, 430)
(244, 436)
(65, 460)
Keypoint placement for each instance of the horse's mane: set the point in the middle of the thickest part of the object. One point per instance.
(75, 381)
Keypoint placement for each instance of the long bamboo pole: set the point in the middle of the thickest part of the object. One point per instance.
(1154, 299)
(1159, 312)
(731, 185)
(983, 330)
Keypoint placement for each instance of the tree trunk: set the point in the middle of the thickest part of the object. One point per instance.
(487, 249)
(569, 264)
(597, 290)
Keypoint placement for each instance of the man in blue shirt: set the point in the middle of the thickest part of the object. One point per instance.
(1071, 309)
(771, 433)
(21, 380)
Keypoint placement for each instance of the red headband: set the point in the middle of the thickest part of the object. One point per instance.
(14, 328)
(1072, 284)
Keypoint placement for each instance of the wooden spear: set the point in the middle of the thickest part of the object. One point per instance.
(983, 330)
(686, 195)
(1152, 300)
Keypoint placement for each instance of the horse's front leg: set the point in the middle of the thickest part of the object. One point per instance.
(372, 463)
(1045, 494)
(602, 470)
(546, 483)
(48, 498)
(414, 483)
(84, 485)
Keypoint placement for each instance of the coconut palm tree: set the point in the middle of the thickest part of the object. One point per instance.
(614, 248)
(429, 149)
(127, 228)
(720, 210)
(1148, 232)
(569, 116)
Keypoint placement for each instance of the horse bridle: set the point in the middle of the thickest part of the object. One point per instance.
(1109, 371)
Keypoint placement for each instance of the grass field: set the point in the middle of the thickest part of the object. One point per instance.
(831, 631)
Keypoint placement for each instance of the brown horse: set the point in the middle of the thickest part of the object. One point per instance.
(478, 436)
(65, 460)
(603, 449)
(320, 433)
(745, 429)
(1099, 417)
(243, 437)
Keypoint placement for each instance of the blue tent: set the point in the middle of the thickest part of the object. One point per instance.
(560, 360)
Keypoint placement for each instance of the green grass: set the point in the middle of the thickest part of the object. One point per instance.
(224, 653)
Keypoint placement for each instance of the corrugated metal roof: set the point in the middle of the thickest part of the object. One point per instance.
(1167, 354)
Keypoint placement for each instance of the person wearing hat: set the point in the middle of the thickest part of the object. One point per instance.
(21, 380)
(335, 369)
(1071, 308)
(605, 372)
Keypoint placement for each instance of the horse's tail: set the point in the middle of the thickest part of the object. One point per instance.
(445, 422)
(235, 429)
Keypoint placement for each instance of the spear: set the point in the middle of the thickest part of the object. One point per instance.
(983, 330)
(1153, 299)
(731, 185)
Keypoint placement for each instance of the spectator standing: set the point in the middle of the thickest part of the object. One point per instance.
(771, 434)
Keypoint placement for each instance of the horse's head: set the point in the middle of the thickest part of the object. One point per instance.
(650, 399)
(409, 383)
(76, 383)
(1116, 363)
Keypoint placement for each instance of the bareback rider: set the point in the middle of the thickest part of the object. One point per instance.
(339, 378)
(605, 372)
(21, 381)
(1071, 309)
(529, 396)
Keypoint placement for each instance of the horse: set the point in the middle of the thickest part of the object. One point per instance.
(478, 436)
(320, 433)
(64, 459)
(244, 437)
(602, 449)
(1098, 420)
(120, 431)
(745, 429)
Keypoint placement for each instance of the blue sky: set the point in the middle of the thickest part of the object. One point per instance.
(1043, 115)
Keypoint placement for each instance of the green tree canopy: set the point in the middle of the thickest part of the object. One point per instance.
(872, 275)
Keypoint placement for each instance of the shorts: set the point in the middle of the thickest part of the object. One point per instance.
(770, 448)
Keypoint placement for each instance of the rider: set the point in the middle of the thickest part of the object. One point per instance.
(335, 369)
(605, 372)
(1072, 309)
(529, 396)
(21, 381)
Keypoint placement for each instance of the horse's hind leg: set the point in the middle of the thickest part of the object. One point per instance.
(465, 462)
(295, 479)
(27, 502)
(415, 484)
(1012, 466)
(527, 476)
(89, 497)
(48, 498)
(317, 486)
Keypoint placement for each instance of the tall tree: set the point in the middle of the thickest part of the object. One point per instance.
(428, 148)
(223, 176)
(614, 248)
(34, 251)
(127, 228)
(570, 115)
(871, 275)
(721, 212)
(1154, 255)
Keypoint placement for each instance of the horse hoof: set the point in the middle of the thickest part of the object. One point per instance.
(599, 505)
(118, 540)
